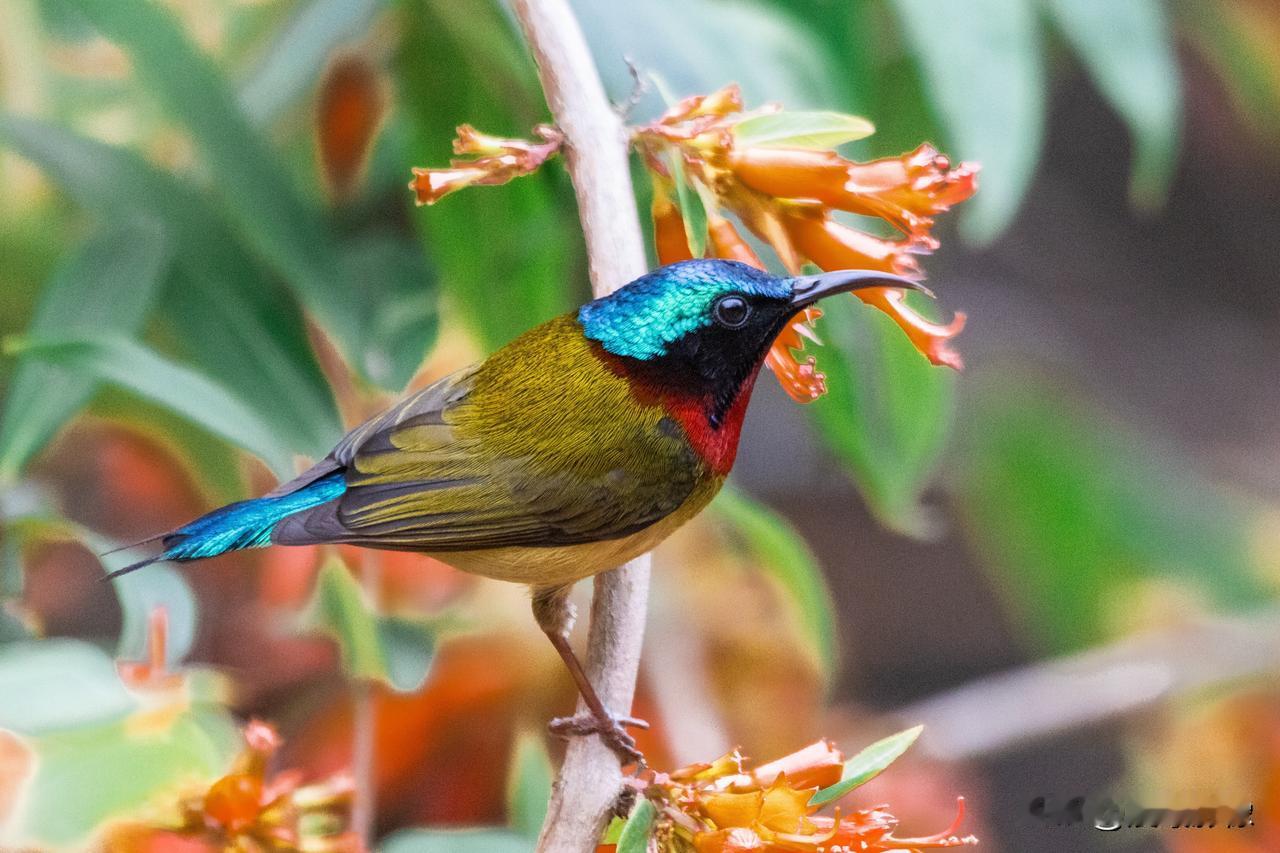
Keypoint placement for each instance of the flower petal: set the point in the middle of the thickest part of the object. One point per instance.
(726, 809)
(816, 766)
(834, 246)
(932, 339)
(669, 234)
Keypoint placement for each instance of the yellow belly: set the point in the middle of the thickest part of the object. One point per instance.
(563, 564)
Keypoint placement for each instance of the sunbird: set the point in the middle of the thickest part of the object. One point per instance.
(581, 444)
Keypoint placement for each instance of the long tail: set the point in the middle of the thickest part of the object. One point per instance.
(246, 524)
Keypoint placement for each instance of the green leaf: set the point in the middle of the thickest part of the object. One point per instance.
(692, 210)
(269, 211)
(456, 841)
(399, 304)
(237, 324)
(395, 651)
(1070, 511)
(635, 835)
(1128, 48)
(697, 46)
(984, 74)
(145, 372)
(867, 765)
(887, 411)
(106, 285)
(55, 684)
(801, 130)
(293, 62)
(79, 783)
(529, 786)
(613, 831)
(782, 552)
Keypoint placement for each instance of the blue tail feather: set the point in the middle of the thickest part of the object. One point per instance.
(245, 524)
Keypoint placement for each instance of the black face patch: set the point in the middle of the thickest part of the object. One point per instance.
(717, 359)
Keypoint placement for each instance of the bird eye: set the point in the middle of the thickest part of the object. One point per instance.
(731, 311)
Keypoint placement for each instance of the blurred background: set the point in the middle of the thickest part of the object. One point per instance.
(1063, 561)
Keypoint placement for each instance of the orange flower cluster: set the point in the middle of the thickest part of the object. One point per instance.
(775, 173)
(722, 808)
(495, 161)
(245, 811)
(784, 191)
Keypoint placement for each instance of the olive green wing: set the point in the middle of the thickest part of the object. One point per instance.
(429, 475)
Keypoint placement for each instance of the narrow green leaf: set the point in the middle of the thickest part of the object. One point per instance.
(635, 835)
(782, 552)
(105, 286)
(270, 212)
(395, 651)
(399, 304)
(984, 74)
(456, 841)
(801, 130)
(293, 62)
(529, 786)
(692, 210)
(887, 412)
(238, 325)
(1128, 49)
(145, 372)
(867, 765)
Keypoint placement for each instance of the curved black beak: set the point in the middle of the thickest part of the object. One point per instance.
(808, 289)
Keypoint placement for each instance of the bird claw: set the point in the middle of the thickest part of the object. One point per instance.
(612, 731)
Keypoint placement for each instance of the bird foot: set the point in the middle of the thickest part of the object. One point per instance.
(612, 731)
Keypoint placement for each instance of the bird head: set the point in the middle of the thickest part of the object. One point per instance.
(705, 326)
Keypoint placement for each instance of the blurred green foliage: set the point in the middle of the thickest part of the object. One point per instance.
(1071, 509)
(394, 650)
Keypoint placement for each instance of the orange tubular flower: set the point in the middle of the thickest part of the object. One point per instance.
(669, 236)
(497, 161)
(906, 191)
(722, 808)
(932, 339)
(833, 246)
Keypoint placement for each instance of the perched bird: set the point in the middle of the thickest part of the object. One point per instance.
(581, 444)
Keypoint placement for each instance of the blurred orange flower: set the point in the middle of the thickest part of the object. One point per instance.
(722, 808)
(245, 810)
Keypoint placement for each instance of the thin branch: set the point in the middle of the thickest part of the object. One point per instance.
(1096, 685)
(596, 156)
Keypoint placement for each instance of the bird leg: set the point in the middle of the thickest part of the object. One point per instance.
(555, 615)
